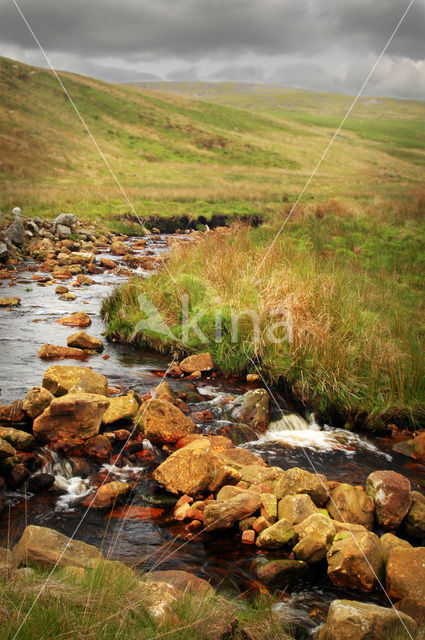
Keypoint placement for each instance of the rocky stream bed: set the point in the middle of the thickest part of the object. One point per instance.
(194, 472)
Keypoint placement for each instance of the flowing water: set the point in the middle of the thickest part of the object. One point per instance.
(142, 533)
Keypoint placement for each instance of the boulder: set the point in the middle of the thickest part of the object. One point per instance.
(52, 351)
(68, 297)
(4, 251)
(15, 232)
(253, 409)
(162, 422)
(225, 475)
(296, 480)
(20, 440)
(356, 560)
(164, 392)
(10, 302)
(316, 534)
(40, 482)
(76, 414)
(391, 495)
(405, 573)
(351, 504)
(414, 522)
(237, 433)
(269, 506)
(344, 527)
(98, 449)
(296, 508)
(413, 448)
(66, 219)
(390, 541)
(60, 379)
(63, 232)
(280, 573)
(278, 535)
(16, 475)
(82, 340)
(226, 513)
(200, 362)
(12, 412)
(81, 258)
(44, 547)
(158, 598)
(184, 581)
(189, 470)
(108, 495)
(350, 620)
(36, 400)
(6, 450)
(413, 608)
(77, 319)
(258, 474)
(229, 491)
(121, 408)
(118, 248)
(242, 457)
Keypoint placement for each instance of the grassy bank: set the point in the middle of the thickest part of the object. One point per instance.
(179, 156)
(352, 285)
(108, 603)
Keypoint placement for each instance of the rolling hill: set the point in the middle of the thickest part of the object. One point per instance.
(235, 151)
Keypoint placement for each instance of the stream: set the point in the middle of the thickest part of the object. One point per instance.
(143, 533)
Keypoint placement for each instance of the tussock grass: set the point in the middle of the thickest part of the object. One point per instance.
(351, 281)
(107, 603)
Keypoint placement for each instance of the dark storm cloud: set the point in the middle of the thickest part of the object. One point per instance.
(137, 34)
(196, 27)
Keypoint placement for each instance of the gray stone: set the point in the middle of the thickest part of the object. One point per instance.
(16, 232)
(63, 232)
(253, 409)
(66, 219)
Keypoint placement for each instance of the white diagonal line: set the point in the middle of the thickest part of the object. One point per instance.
(83, 517)
(324, 154)
(93, 139)
(311, 463)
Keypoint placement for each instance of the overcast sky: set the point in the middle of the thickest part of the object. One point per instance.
(317, 44)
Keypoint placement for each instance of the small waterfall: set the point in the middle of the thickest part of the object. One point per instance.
(75, 487)
(295, 431)
(293, 422)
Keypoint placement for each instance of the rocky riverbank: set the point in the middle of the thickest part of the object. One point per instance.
(293, 523)
(360, 537)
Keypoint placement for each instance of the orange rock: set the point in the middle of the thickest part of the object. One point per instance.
(162, 422)
(75, 414)
(12, 412)
(98, 449)
(78, 319)
(197, 363)
(137, 513)
(260, 524)
(107, 263)
(49, 351)
(108, 495)
(248, 537)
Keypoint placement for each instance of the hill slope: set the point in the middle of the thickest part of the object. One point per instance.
(175, 155)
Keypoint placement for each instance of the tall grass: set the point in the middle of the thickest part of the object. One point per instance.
(109, 603)
(351, 283)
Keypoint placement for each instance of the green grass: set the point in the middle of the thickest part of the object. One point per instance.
(107, 603)
(233, 151)
(353, 284)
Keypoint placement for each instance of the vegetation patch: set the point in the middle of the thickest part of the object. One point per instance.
(351, 285)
